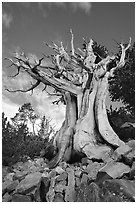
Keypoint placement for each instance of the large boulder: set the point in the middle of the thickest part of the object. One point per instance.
(120, 151)
(59, 170)
(63, 176)
(124, 190)
(70, 189)
(21, 198)
(12, 186)
(115, 169)
(92, 170)
(20, 175)
(29, 183)
(8, 186)
(51, 193)
(87, 193)
(58, 198)
(6, 197)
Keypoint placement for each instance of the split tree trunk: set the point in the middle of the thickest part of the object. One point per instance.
(86, 128)
(83, 83)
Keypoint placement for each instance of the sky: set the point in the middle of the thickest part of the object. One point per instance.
(26, 26)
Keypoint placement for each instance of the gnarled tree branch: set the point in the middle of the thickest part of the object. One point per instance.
(121, 63)
(30, 89)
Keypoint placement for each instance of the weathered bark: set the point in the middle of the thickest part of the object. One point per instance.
(84, 85)
(90, 125)
(104, 127)
(63, 139)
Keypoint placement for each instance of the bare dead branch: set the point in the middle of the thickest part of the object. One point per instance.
(55, 49)
(83, 53)
(44, 88)
(40, 61)
(58, 84)
(25, 62)
(121, 63)
(85, 41)
(53, 94)
(72, 43)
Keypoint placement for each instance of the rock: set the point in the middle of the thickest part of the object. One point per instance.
(95, 191)
(6, 198)
(18, 166)
(20, 175)
(44, 188)
(92, 170)
(87, 193)
(45, 174)
(127, 187)
(102, 176)
(51, 193)
(84, 161)
(34, 169)
(4, 172)
(21, 198)
(129, 158)
(89, 161)
(113, 198)
(27, 165)
(107, 157)
(10, 176)
(84, 167)
(124, 149)
(84, 178)
(58, 198)
(46, 169)
(123, 188)
(115, 169)
(64, 165)
(70, 189)
(59, 170)
(78, 173)
(96, 152)
(5, 185)
(29, 183)
(132, 171)
(12, 186)
(120, 151)
(62, 176)
(131, 144)
(35, 195)
(52, 174)
(39, 161)
(59, 188)
(77, 181)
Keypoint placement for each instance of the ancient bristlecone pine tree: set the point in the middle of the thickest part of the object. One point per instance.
(82, 84)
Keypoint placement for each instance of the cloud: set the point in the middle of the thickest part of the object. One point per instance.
(41, 102)
(7, 19)
(75, 6)
(20, 82)
(8, 107)
(85, 6)
(45, 107)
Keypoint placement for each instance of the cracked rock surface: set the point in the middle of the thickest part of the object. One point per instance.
(110, 180)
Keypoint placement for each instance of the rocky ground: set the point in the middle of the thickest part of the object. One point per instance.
(109, 180)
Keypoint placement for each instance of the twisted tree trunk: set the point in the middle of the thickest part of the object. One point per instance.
(83, 85)
(89, 131)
